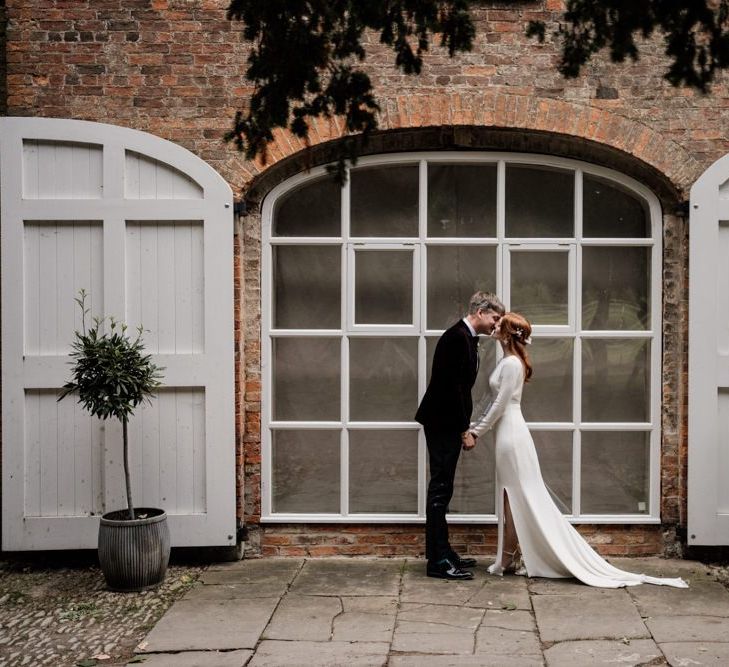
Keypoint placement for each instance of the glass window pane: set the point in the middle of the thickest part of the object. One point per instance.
(307, 287)
(313, 209)
(481, 392)
(383, 471)
(540, 285)
(539, 202)
(384, 201)
(305, 471)
(615, 380)
(615, 472)
(548, 395)
(554, 449)
(383, 287)
(306, 384)
(611, 211)
(454, 274)
(461, 200)
(474, 487)
(615, 288)
(383, 379)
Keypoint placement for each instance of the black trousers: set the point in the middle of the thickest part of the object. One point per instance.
(444, 448)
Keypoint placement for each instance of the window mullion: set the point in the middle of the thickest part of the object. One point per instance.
(422, 447)
(347, 320)
(422, 326)
(656, 295)
(501, 201)
(266, 358)
(344, 443)
(577, 350)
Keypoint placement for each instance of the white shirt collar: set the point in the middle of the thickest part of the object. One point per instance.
(470, 327)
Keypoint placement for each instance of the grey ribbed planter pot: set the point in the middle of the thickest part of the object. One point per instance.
(134, 554)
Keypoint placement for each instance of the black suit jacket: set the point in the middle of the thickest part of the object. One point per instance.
(447, 404)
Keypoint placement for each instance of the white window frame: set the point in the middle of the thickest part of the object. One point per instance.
(421, 243)
(361, 246)
(508, 248)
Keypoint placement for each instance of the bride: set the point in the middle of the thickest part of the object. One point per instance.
(550, 546)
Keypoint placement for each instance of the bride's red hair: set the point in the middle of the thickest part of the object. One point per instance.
(514, 331)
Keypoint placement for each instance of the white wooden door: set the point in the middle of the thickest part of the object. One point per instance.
(146, 228)
(708, 453)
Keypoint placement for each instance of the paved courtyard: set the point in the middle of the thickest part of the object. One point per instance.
(388, 613)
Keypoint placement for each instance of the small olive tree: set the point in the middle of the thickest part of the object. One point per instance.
(112, 376)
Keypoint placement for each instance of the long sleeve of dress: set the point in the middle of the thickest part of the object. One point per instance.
(509, 381)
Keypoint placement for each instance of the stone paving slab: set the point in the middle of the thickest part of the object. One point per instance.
(418, 587)
(704, 597)
(202, 625)
(408, 639)
(428, 628)
(349, 577)
(365, 619)
(442, 618)
(508, 633)
(509, 620)
(688, 628)
(607, 614)
(252, 571)
(661, 567)
(198, 659)
(630, 653)
(509, 592)
(304, 617)
(265, 589)
(540, 586)
(483, 591)
(690, 654)
(246, 579)
(321, 654)
(464, 661)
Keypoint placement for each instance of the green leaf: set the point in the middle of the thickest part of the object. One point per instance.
(304, 60)
(87, 662)
(110, 372)
(510, 606)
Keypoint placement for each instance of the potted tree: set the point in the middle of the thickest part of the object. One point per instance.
(112, 375)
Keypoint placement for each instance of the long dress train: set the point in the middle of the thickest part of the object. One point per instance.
(550, 546)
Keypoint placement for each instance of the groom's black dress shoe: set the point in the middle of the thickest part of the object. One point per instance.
(462, 563)
(445, 569)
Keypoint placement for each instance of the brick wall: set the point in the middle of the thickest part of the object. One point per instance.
(3, 61)
(175, 68)
(395, 540)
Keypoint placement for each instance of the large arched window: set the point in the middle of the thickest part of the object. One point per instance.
(359, 282)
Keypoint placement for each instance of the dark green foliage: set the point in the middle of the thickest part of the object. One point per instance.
(696, 35)
(305, 55)
(111, 373)
(112, 376)
(304, 61)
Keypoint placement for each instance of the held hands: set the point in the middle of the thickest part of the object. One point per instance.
(468, 440)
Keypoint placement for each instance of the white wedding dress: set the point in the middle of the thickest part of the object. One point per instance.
(550, 546)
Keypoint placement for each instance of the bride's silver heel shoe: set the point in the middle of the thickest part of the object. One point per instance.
(511, 566)
(496, 570)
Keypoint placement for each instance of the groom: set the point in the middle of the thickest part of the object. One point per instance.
(445, 412)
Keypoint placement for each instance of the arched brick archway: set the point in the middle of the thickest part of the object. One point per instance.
(482, 121)
(486, 120)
